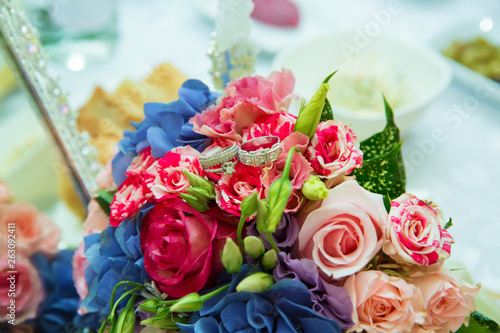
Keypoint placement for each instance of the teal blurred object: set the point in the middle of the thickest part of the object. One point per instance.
(75, 32)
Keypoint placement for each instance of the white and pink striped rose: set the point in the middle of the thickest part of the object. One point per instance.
(334, 150)
(415, 232)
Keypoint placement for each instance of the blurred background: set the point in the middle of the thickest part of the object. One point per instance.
(112, 56)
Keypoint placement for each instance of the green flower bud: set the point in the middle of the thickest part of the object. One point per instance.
(249, 204)
(262, 215)
(126, 320)
(231, 258)
(197, 181)
(256, 283)
(269, 260)
(199, 205)
(309, 117)
(254, 247)
(150, 305)
(189, 303)
(314, 189)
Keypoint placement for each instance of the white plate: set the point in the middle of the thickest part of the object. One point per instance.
(425, 73)
(486, 27)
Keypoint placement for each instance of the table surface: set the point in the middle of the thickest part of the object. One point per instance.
(459, 172)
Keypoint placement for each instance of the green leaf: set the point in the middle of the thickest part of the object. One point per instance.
(382, 174)
(104, 199)
(327, 113)
(448, 224)
(309, 117)
(479, 324)
(383, 142)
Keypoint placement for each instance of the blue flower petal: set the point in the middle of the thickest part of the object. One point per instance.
(234, 317)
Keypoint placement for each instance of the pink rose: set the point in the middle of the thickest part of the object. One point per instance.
(448, 301)
(345, 232)
(165, 178)
(34, 231)
(232, 189)
(104, 178)
(80, 264)
(277, 124)
(130, 197)
(182, 246)
(383, 303)
(415, 232)
(28, 288)
(5, 193)
(243, 101)
(299, 170)
(334, 150)
(96, 220)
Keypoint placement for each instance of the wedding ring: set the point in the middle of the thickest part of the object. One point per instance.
(225, 158)
(260, 151)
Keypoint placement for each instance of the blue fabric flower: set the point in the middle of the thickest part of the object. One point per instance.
(114, 255)
(165, 127)
(61, 300)
(285, 307)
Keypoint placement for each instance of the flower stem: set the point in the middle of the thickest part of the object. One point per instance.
(270, 239)
(113, 310)
(240, 230)
(214, 293)
(115, 289)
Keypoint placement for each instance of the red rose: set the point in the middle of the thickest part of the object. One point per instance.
(182, 246)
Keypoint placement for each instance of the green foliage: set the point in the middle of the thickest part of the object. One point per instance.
(383, 168)
(479, 324)
(104, 199)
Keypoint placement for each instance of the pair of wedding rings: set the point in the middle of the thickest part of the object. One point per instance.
(256, 152)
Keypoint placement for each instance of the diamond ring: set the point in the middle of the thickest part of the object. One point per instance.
(260, 151)
(225, 158)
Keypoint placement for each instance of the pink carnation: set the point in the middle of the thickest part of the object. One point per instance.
(244, 101)
(130, 197)
(334, 150)
(299, 170)
(232, 189)
(278, 124)
(165, 178)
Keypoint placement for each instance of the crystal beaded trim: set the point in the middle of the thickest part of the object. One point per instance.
(21, 45)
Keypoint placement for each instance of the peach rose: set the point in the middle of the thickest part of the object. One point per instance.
(5, 193)
(383, 303)
(345, 232)
(96, 220)
(34, 231)
(448, 301)
(24, 287)
(415, 232)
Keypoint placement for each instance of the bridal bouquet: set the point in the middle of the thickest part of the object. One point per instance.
(230, 214)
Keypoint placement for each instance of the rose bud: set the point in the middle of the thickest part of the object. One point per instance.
(254, 247)
(232, 259)
(150, 305)
(255, 283)
(126, 320)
